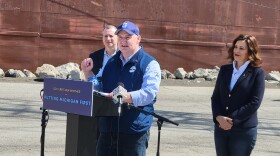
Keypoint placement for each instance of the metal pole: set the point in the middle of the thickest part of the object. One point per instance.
(159, 123)
(44, 122)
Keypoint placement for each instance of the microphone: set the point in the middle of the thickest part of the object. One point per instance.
(118, 94)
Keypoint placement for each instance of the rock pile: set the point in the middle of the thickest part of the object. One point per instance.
(65, 71)
(72, 71)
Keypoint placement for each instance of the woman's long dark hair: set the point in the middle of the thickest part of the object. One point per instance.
(253, 49)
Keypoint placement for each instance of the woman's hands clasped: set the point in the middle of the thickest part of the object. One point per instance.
(224, 122)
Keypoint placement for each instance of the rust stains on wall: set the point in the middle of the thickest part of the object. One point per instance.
(179, 33)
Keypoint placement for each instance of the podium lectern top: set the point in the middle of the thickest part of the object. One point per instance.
(75, 97)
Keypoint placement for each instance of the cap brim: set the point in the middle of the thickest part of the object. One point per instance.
(128, 31)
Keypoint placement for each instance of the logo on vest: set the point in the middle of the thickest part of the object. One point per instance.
(132, 69)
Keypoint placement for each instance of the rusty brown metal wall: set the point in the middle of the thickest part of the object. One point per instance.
(179, 33)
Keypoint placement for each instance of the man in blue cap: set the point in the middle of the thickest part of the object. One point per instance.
(140, 73)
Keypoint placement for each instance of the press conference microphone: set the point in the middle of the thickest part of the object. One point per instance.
(118, 94)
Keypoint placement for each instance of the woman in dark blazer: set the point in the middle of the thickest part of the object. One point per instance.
(236, 98)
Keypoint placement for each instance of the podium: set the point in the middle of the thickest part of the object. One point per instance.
(83, 107)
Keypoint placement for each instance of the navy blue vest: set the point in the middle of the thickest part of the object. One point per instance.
(131, 75)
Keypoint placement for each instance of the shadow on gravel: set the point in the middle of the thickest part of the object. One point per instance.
(198, 121)
(187, 120)
(19, 107)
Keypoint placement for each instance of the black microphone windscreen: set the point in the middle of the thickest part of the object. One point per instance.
(121, 84)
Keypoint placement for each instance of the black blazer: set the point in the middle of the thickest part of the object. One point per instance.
(97, 58)
(240, 104)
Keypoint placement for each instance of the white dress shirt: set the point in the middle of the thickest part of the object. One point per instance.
(237, 73)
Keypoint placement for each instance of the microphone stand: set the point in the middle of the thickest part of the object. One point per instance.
(44, 121)
(120, 102)
(160, 121)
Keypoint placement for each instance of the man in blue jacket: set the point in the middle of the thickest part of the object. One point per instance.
(140, 73)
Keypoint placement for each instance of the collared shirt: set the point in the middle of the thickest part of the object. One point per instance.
(125, 61)
(105, 60)
(237, 73)
(150, 85)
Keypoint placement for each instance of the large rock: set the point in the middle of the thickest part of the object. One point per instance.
(75, 75)
(10, 73)
(19, 74)
(47, 70)
(212, 74)
(29, 73)
(165, 74)
(200, 73)
(62, 71)
(65, 69)
(189, 75)
(2, 74)
(180, 73)
(273, 76)
(14, 73)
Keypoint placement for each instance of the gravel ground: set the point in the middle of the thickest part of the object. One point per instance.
(182, 101)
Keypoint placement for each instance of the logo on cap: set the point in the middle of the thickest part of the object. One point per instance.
(129, 27)
(124, 25)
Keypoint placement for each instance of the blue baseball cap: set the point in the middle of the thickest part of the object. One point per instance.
(129, 27)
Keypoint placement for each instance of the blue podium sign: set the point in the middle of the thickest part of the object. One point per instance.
(68, 96)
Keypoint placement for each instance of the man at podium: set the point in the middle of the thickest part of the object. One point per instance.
(128, 134)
